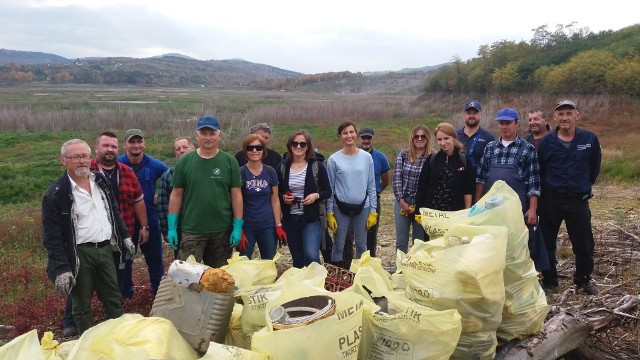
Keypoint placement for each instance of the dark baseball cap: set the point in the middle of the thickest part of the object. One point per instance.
(472, 104)
(366, 132)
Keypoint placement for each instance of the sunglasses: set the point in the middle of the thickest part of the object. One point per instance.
(254, 147)
(300, 144)
(419, 137)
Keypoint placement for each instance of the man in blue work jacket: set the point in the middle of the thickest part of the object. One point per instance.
(569, 165)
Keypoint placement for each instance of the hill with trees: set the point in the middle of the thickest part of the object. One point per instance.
(569, 59)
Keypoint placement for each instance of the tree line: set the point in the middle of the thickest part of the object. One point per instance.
(569, 59)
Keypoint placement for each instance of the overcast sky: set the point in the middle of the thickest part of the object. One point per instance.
(303, 36)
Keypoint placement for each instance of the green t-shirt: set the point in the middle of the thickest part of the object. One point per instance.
(207, 183)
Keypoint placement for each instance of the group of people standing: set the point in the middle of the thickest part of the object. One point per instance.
(102, 209)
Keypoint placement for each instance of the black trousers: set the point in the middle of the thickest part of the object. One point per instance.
(553, 208)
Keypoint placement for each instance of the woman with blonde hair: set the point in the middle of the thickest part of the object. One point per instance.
(406, 173)
(447, 180)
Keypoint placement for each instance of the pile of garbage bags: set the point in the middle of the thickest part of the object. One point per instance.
(454, 297)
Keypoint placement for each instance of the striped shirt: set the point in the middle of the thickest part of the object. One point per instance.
(296, 185)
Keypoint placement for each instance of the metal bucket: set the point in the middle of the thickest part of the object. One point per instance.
(200, 317)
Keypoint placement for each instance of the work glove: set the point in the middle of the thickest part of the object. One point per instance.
(418, 218)
(372, 220)
(65, 282)
(331, 222)
(410, 211)
(282, 235)
(130, 248)
(242, 246)
(236, 233)
(172, 233)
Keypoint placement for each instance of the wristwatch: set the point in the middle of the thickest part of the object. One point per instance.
(144, 228)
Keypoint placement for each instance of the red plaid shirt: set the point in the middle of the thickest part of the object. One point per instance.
(129, 189)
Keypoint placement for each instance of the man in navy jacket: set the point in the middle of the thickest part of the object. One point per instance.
(570, 160)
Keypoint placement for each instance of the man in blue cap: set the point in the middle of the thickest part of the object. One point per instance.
(471, 135)
(514, 160)
(207, 197)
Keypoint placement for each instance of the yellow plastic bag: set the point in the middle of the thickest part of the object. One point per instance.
(53, 350)
(314, 275)
(23, 347)
(463, 270)
(525, 303)
(366, 260)
(133, 336)
(335, 337)
(234, 335)
(252, 272)
(227, 352)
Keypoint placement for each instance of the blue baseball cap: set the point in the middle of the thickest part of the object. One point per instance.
(472, 104)
(208, 121)
(507, 114)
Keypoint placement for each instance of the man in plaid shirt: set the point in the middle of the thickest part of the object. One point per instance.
(181, 146)
(514, 160)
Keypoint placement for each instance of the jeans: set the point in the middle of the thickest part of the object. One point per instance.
(553, 208)
(372, 234)
(266, 240)
(359, 223)
(152, 251)
(402, 229)
(304, 240)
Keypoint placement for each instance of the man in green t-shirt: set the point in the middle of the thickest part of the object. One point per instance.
(208, 199)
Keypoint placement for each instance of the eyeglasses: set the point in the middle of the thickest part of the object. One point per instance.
(366, 137)
(76, 158)
(300, 144)
(250, 148)
(419, 137)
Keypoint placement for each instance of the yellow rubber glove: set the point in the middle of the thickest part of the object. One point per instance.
(372, 220)
(412, 208)
(331, 222)
(418, 218)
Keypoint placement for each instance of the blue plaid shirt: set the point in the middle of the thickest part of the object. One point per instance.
(406, 175)
(519, 151)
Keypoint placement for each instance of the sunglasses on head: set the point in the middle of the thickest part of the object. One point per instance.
(254, 147)
(300, 144)
(419, 137)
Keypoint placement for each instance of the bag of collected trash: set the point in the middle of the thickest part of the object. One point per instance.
(314, 274)
(23, 347)
(334, 336)
(52, 349)
(462, 270)
(226, 352)
(132, 336)
(402, 329)
(525, 304)
(252, 272)
(234, 330)
(366, 260)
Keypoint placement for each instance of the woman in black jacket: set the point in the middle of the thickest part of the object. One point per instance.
(303, 184)
(447, 180)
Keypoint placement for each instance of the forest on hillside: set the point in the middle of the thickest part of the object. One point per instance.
(569, 59)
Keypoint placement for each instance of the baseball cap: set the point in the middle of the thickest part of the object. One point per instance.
(508, 114)
(472, 104)
(208, 121)
(131, 133)
(366, 132)
(565, 103)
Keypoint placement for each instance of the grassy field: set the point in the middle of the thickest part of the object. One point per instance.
(34, 122)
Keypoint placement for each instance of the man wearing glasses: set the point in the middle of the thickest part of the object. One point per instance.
(81, 228)
(207, 198)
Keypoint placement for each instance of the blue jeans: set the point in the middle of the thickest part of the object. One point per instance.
(304, 240)
(359, 224)
(152, 251)
(266, 240)
(402, 229)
